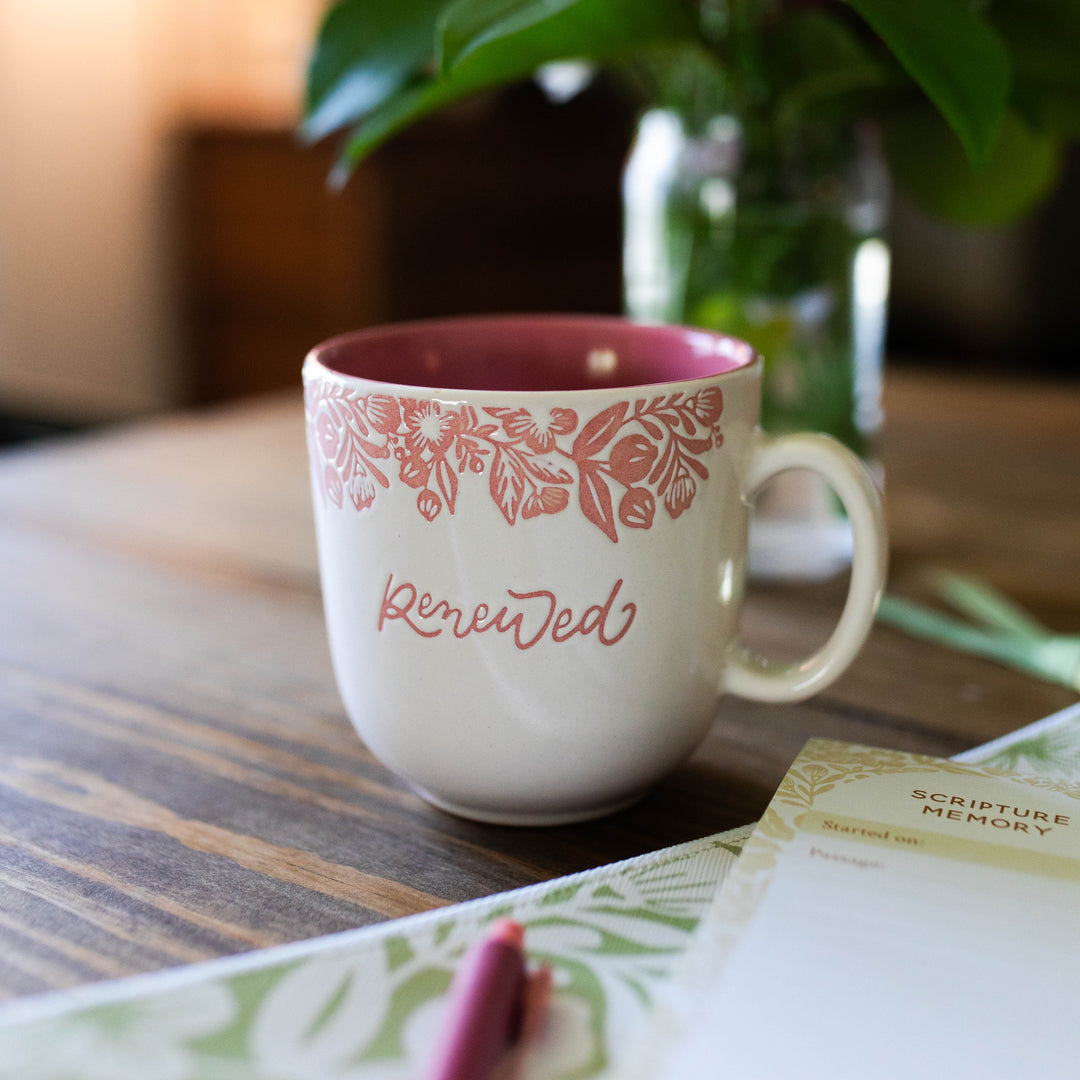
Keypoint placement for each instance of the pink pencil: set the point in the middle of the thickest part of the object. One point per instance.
(486, 1009)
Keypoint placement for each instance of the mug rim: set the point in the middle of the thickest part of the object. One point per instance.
(718, 354)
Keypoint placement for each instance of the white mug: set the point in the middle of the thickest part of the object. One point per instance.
(532, 539)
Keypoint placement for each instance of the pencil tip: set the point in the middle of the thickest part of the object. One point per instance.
(508, 932)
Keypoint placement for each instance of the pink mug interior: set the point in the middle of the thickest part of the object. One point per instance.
(532, 353)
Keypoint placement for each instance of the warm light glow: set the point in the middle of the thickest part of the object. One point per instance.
(245, 59)
(91, 94)
(601, 363)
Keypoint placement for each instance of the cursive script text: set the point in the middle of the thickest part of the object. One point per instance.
(535, 615)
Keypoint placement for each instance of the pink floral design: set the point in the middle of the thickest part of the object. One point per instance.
(428, 428)
(537, 431)
(621, 462)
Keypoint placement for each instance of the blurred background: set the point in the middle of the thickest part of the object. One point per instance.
(165, 240)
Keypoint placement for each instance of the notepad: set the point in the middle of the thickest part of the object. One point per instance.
(892, 915)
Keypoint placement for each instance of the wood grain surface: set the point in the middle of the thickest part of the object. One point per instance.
(178, 779)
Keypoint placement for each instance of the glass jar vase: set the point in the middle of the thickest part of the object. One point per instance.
(781, 242)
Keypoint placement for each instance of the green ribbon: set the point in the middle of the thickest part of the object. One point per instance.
(1000, 630)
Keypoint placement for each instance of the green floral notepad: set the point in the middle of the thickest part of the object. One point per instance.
(366, 1004)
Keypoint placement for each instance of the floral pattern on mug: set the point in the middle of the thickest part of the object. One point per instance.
(619, 464)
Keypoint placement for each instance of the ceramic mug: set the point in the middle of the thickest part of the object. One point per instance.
(532, 539)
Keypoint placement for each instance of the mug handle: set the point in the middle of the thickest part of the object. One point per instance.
(752, 676)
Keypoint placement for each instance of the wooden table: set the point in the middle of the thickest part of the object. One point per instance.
(178, 779)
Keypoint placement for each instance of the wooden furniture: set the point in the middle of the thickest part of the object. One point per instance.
(177, 776)
(270, 261)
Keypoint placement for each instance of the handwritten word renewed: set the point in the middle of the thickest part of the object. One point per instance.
(535, 615)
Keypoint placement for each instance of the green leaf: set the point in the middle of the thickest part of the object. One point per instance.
(365, 52)
(955, 56)
(926, 159)
(811, 42)
(468, 24)
(599, 27)
(685, 77)
(400, 111)
(407, 997)
(817, 61)
(1044, 43)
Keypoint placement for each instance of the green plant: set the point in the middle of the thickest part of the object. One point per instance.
(976, 98)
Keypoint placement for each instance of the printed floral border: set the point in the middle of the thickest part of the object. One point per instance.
(371, 1008)
(616, 465)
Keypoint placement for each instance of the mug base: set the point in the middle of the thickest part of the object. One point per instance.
(527, 818)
